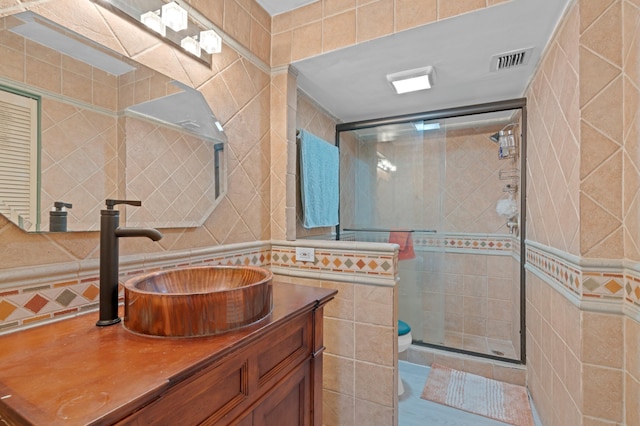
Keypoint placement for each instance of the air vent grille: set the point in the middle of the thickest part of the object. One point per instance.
(510, 60)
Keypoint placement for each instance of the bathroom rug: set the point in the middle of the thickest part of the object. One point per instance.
(476, 394)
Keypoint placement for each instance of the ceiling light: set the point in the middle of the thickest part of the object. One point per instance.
(421, 126)
(191, 45)
(154, 22)
(412, 80)
(210, 41)
(174, 17)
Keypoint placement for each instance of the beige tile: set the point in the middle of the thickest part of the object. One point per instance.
(632, 348)
(449, 8)
(339, 337)
(374, 20)
(375, 344)
(260, 42)
(338, 409)
(338, 374)
(334, 7)
(411, 13)
(307, 14)
(602, 393)
(306, 41)
(372, 414)
(632, 401)
(374, 305)
(44, 75)
(236, 22)
(339, 31)
(513, 375)
(602, 339)
(342, 306)
(374, 383)
(281, 23)
(604, 35)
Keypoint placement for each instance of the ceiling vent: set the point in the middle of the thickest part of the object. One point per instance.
(504, 61)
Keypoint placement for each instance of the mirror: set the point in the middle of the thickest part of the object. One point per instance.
(96, 125)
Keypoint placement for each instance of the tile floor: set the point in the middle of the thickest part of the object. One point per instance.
(415, 411)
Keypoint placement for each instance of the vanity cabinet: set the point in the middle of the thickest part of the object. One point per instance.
(265, 374)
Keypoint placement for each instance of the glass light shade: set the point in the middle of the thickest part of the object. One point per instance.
(154, 22)
(174, 16)
(210, 41)
(412, 84)
(191, 45)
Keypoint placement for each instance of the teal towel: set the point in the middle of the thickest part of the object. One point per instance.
(319, 173)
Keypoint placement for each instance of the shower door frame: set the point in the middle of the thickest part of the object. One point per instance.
(505, 105)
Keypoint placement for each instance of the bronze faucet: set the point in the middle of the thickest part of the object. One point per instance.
(109, 253)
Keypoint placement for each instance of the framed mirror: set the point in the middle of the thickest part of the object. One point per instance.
(99, 125)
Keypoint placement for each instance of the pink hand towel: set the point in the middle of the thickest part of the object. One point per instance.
(404, 240)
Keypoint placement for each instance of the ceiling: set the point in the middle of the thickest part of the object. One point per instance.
(351, 83)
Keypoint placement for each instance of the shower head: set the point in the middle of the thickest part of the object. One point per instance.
(495, 137)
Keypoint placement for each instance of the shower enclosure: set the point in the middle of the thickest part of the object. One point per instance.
(446, 186)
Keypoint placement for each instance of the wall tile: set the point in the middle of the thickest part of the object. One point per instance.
(374, 20)
(339, 31)
(603, 393)
(372, 382)
(411, 14)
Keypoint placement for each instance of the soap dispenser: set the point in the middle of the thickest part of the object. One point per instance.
(58, 217)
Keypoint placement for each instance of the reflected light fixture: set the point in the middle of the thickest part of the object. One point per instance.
(422, 126)
(152, 20)
(411, 80)
(210, 41)
(174, 16)
(191, 45)
(384, 164)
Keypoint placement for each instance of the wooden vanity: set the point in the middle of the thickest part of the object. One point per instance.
(74, 373)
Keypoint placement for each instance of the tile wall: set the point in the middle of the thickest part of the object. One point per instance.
(582, 311)
(328, 25)
(360, 326)
(237, 86)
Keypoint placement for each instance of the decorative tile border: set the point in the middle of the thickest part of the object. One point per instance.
(556, 269)
(361, 262)
(450, 242)
(56, 291)
(25, 305)
(596, 284)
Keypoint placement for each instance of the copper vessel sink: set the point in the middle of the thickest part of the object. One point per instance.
(199, 301)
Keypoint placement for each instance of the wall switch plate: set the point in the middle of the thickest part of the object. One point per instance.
(305, 254)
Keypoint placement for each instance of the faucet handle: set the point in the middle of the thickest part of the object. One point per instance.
(110, 203)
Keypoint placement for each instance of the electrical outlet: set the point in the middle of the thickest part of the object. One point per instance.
(305, 254)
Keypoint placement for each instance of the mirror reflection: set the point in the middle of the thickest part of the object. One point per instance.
(80, 123)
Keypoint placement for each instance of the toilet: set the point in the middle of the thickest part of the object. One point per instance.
(404, 341)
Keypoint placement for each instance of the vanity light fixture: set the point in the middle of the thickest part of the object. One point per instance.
(210, 41)
(191, 45)
(175, 17)
(411, 80)
(152, 20)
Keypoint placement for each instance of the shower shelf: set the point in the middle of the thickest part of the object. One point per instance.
(506, 174)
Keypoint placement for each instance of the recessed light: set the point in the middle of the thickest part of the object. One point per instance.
(411, 80)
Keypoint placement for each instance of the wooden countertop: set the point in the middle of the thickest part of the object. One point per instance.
(72, 372)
